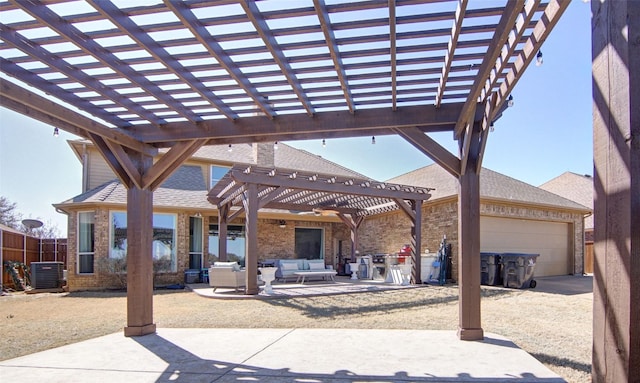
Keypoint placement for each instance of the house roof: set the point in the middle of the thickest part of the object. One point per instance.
(286, 157)
(576, 187)
(187, 188)
(493, 185)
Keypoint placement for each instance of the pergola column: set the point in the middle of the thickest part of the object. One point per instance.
(416, 242)
(469, 326)
(139, 262)
(616, 133)
(223, 219)
(251, 242)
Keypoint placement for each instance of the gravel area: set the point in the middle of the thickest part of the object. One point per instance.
(554, 328)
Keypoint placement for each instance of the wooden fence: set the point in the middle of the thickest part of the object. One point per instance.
(22, 248)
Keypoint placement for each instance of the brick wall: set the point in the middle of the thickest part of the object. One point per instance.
(385, 233)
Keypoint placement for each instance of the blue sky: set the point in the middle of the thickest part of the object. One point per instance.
(547, 132)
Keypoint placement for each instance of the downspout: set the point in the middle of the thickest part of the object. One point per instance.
(85, 168)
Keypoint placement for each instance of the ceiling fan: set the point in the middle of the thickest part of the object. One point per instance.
(317, 211)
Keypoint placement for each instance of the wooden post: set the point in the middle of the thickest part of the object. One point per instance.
(616, 132)
(139, 262)
(416, 242)
(223, 215)
(251, 241)
(469, 327)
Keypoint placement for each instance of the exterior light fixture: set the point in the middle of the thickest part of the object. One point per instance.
(510, 101)
(56, 132)
(491, 128)
(230, 149)
(539, 58)
(324, 143)
(275, 145)
(198, 215)
(282, 223)
(373, 140)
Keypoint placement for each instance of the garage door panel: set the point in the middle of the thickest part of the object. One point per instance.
(549, 239)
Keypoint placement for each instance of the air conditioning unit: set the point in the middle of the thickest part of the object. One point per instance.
(46, 275)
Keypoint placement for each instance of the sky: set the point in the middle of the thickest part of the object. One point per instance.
(547, 132)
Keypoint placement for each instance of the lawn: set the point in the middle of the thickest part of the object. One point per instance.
(554, 328)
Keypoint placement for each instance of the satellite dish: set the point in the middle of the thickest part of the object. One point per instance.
(32, 223)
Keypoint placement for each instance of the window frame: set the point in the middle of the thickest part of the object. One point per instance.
(212, 180)
(83, 254)
(174, 240)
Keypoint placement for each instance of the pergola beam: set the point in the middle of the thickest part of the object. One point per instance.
(298, 126)
(185, 14)
(50, 112)
(325, 24)
(543, 28)
(118, 18)
(451, 48)
(251, 9)
(511, 11)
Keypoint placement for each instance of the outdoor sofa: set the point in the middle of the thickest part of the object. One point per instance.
(289, 268)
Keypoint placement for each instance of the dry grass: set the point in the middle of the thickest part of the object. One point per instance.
(554, 328)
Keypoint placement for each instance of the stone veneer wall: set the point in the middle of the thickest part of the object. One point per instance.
(389, 232)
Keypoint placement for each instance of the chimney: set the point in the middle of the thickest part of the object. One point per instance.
(263, 154)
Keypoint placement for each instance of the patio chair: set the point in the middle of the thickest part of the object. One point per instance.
(227, 274)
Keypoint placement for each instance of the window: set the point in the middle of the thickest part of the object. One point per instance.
(85, 242)
(235, 243)
(309, 243)
(217, 172)
(195, 243)
(164, 240)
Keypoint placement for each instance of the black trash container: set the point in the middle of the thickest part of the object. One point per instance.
(490, 268)
(518, 269)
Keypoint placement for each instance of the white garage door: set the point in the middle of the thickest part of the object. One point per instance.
(549, 239)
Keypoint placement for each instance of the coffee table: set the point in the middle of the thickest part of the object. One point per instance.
(324, 274)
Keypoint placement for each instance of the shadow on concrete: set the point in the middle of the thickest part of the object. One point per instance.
(184, 366)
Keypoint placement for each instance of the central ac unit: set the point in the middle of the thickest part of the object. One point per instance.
(46, 275)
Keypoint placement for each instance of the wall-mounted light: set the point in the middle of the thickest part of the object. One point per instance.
(373, 140)
(539, 58)
(510, 101)
(275, 145)
(198, 215)
(324, 143)
(282, 223)
(229, 149)
(56, 132)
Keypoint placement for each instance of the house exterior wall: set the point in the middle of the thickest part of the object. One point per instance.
(389, 232)
(273, 242)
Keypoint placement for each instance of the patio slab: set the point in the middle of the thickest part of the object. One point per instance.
(282, 355)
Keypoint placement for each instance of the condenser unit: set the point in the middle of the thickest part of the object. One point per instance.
(46, 275)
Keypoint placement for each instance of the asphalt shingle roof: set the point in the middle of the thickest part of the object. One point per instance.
(493, 185)
(576, 187)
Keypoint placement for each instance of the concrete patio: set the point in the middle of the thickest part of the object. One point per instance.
(293, 354)
(282, 355)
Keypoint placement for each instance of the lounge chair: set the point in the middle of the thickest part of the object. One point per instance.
(227, 274)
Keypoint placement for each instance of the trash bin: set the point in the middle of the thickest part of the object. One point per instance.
(191, 276)
(428, 272)
(490, 269)
(518, 269)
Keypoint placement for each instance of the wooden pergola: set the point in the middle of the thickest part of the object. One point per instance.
(245, 190)
(182, 74)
